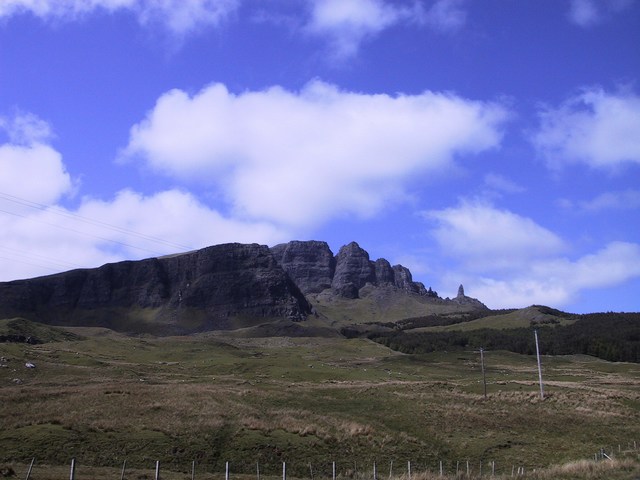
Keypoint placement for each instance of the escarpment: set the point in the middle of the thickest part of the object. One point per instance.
(222, 287)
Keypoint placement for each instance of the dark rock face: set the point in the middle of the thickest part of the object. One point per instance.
(462, 299)
(220, 287)
(353, 270)
(200, 290)
(309, 264)
(313, 268)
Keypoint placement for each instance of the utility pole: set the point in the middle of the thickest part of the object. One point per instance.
(535, 333)
(484, 377)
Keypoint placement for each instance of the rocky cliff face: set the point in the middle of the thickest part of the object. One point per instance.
(216, 288)
(311, 264)
(203, 290)
(313, 268)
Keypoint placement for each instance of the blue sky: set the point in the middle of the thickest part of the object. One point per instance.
(494, 143)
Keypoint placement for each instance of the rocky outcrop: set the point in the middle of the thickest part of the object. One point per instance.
(202, 290)
(462, 299)
(216, 288)
(353, 271)
(314, 269)
(310, 264)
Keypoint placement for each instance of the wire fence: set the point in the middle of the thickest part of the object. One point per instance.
(463, 469)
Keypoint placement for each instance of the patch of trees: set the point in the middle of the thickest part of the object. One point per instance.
(14, 338)
(610, 336)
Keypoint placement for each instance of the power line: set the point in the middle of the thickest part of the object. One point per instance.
(38, 257)
(30, 263)
(91, 221)
(82, 233)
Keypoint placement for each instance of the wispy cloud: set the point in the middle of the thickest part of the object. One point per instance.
(499, 184)
(301, 158)
(596, 128)
(348, 23)
(587, 13)
(444, 15)
(177, 16)
(608, 201)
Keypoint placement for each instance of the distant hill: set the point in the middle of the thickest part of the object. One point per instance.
(610, 336)
(227, 287)
(296, 289)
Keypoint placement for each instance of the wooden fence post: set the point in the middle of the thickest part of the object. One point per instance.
(409, 470)
(226, 470)
(72, 474)
(333, 471)
(284, 470)
(157, 470)
(30, 468)
(441, 471)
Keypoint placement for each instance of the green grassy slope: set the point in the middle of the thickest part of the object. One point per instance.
(106, 397)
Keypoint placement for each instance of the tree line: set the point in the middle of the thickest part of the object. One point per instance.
(611, 336)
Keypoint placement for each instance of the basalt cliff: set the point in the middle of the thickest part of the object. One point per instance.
(223, 287)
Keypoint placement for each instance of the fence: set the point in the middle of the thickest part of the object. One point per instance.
(459, 469)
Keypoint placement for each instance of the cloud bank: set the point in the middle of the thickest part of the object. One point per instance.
(300, 158)
(509, 260)
(39, 236)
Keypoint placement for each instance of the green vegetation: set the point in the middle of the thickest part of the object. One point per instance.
(610, 336)
(103, 397)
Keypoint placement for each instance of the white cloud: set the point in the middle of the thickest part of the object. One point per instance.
(597, 128)
(559, 281)
(178, 16)
(176, 217)
(30, 168)
(129, 226)
(300, 158)
(485, 237)
(587, 13)
(38, 236)
(348, 23)
(507, 260)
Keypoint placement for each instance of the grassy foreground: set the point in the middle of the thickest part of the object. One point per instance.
(103, 398)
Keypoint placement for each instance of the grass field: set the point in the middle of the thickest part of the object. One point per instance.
(103, 397)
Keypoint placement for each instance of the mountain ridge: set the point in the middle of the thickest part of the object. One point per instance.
(221, 287)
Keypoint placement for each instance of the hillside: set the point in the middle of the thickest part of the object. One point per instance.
(293, 354)
(103, 397)
(223, 287)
